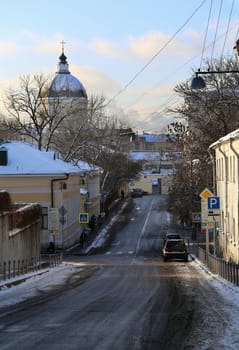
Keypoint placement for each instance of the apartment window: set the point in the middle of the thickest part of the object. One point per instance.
(222, 169)
(233, 230)
(44, 218)
(230, 168)
(234, 169)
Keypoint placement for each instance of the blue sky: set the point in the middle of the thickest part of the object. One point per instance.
(109, 42)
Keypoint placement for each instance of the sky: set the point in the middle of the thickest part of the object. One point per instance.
(133, 53)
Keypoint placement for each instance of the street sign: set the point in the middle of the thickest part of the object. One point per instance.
(53, 219)
(83, 218)
(213, 203)
(196, 217)
(213, 213)
(206, 193)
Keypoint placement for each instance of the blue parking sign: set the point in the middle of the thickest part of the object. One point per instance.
(213, 202)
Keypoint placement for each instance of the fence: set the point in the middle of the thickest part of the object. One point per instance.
(14, 268)
(226, 269)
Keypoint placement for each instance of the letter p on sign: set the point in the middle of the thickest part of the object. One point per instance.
(213, 202)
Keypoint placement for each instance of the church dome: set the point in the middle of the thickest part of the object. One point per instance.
(65, 84)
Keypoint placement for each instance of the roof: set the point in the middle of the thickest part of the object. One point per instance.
(155, 155)
(144, 155)
(153, 137)
(232, 135)
(25, 159)
(163, 172)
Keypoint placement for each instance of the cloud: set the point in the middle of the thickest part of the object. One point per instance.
(95, 81)
(153, 43)
(107, 49)
(9, 47)
(149, 44)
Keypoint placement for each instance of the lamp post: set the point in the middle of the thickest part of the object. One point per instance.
(199, 83)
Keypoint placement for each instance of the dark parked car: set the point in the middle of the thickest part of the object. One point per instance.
(175, 249)
(136, 192)
(171, 236)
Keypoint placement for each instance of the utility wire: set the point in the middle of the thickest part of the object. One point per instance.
(186, 63)
(205, 38)
(215, 36)
(229, 21)
(154, 56)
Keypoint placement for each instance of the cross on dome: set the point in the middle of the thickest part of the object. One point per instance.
(62, 45)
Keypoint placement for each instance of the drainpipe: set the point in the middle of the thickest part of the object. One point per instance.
(52, 187)
(237, 177)
(215, 193)
(213, 171)
(226, 188)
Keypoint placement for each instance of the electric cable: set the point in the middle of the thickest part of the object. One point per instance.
(205, 37)
(228, 24)
(216, 31)
(155, 55)
(186, 63)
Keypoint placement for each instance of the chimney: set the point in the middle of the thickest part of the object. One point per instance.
(3, 156)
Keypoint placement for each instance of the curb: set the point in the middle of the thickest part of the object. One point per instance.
(19, 280)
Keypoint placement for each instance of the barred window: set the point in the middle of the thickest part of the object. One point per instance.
(44, 218)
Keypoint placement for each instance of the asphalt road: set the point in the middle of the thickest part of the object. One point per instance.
(125, 297)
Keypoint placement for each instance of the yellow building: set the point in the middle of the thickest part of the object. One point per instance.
(62, 190)
(158, 169)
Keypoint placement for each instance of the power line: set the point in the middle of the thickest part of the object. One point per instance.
(205, 38)
(157, 53)
(186, 63)
(215, 36)
(229, 20)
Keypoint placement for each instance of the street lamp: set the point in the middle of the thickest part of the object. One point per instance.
(199, 83)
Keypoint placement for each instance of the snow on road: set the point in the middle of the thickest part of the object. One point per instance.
(218, 308)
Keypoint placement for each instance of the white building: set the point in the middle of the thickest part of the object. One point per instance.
(227, 186)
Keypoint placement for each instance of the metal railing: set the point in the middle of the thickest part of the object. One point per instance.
(225, 269)
(14, 268)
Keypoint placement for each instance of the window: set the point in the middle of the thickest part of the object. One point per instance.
(44, 218)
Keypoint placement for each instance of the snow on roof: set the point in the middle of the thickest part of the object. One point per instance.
(232, 135)
(154, 155)
(144, 155)
(25, 159)
(153, 137)
(163, 172)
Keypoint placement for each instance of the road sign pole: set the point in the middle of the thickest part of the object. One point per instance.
(207, 244)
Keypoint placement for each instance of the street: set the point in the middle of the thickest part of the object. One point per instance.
(123, 297)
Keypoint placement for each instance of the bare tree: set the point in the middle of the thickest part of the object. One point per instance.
(76, 128)
(209, 114)
(28, 110)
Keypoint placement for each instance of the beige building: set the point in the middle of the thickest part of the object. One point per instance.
(227, 186)
(62, 190)
(158, 169)
(19, 235)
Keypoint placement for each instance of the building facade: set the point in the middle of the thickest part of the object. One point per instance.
(62, 190)
(226, 151)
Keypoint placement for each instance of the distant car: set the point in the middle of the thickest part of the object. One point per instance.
(136, 192)
(175, 249)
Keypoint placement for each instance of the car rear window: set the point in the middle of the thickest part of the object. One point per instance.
(173, 236)
(171, 244)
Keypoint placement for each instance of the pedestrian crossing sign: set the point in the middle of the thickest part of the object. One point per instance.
(83, 218)
(196, 217)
